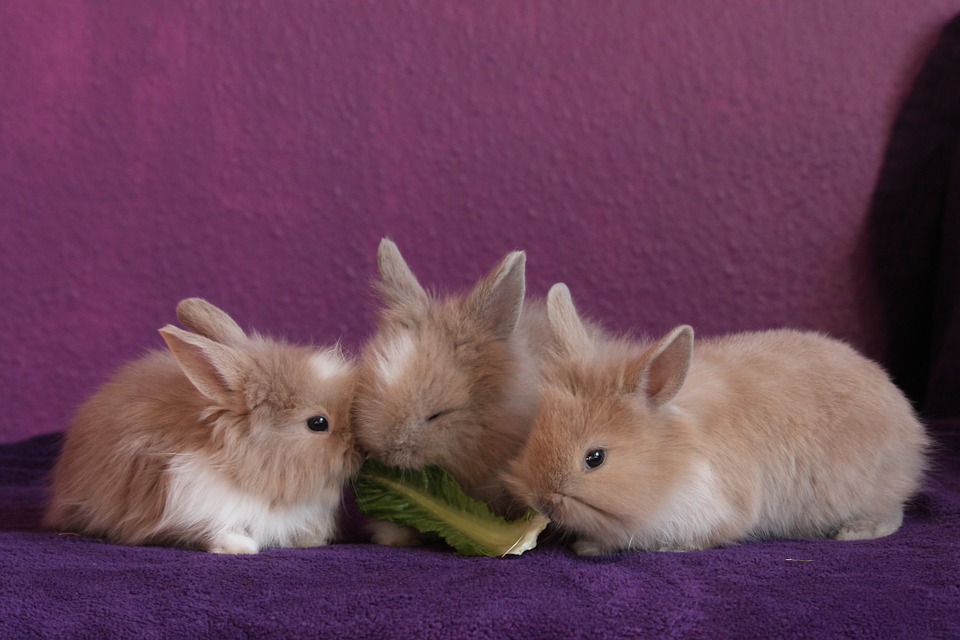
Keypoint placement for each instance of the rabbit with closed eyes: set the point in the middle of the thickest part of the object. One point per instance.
(676, 446)
(450, 381)
(226, 442)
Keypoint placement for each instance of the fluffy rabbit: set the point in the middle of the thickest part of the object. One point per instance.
(227, 443)
(450, 381)
(757, 435)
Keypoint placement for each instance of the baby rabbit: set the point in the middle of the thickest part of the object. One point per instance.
(228, 443)
(757, 435)
(450, 381)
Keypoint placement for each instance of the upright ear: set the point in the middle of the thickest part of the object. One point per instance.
(661, 371)
(201, 317)
(495, 303)
(216, 370)
(565, 323)
(398, 286)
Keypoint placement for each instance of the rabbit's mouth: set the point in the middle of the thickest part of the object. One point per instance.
(581, 516)
(402, 457)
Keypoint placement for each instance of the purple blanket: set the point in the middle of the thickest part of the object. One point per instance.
(906, 585)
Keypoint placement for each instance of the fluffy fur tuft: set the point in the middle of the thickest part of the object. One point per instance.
(207, 445)
(756, 435)
(450, 381)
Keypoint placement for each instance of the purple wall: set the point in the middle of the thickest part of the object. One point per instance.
(672, 162)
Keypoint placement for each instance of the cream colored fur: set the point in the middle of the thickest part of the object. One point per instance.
(755, 435)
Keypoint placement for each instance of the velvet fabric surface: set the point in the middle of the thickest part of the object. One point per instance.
(906, 585)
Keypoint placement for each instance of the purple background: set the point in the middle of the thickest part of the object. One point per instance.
(698, 162)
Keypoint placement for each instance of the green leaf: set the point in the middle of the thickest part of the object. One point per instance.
(432, 501)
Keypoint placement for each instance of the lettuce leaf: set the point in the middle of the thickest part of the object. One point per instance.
(432, 501)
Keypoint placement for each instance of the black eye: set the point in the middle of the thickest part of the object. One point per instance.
(594, 458)
(437, 415)
(318, 423)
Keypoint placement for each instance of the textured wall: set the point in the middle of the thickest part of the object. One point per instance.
(702, 162)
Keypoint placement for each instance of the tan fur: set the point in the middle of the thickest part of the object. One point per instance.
(234, 415)
(201, 317)
(771, 434)
(465, 357)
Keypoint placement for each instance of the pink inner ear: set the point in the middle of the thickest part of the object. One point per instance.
(497, 300)
(214, 369)
(663, 374)
(665, 377)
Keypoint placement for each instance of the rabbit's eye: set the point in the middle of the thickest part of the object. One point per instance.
(594, 458)
(318, 423)
(438, 414)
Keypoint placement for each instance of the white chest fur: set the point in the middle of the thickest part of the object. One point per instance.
(690, 517)
(201, 500)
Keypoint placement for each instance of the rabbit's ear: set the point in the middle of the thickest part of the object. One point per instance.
(203, 318)
(495, 303)
(398, 286)
(660, 372)
(216, 370)
(565, 323)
